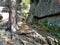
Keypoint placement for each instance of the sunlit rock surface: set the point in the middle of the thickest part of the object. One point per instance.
(5, 17)
(4, 13)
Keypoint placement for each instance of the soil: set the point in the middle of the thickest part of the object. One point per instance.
(27, 35)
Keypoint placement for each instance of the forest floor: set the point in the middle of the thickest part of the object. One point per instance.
(27, 35)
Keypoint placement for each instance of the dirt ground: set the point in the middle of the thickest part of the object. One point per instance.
(27, 35)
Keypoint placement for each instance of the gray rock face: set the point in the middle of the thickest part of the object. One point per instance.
(47, 7)
(54, 20)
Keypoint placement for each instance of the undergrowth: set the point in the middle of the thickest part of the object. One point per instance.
(49, 28)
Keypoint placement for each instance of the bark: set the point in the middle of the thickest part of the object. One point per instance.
(12, 16)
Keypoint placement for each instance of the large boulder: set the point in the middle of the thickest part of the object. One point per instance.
(47, 7)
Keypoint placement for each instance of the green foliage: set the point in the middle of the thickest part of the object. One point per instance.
(34, 21)
(53, 43)
(24, 6)
(26, 17)
(47, 27)
(7, 3)
(27, 1)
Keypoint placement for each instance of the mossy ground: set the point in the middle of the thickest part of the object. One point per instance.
(48, 28)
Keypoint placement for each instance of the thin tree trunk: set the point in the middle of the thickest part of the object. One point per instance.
(12, 16)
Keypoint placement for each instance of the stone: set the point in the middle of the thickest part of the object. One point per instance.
(46, 7)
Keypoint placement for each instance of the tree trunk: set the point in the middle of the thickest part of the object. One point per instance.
(12, 16)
